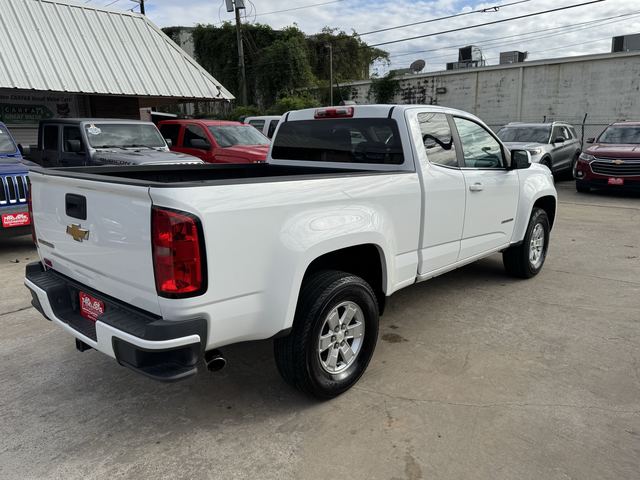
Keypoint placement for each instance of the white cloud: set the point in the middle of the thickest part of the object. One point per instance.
(366, 15)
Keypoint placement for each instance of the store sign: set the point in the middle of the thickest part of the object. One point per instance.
(29, 109)
(24, 114)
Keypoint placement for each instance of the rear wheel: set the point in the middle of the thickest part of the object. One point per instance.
(334, 335)
(526, 260)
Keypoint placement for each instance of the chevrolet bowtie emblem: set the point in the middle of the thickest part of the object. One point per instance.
(77, 233)
(618, 162)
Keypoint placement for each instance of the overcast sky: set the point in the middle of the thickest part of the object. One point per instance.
(541, 39)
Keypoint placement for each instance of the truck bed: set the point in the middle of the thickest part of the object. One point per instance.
(198, 175)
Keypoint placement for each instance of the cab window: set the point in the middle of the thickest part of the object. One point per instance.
(194, 137)
(50, 137)
(272, 128)
(437, 139)
(479, 148)
(171, 131)
(71, 137)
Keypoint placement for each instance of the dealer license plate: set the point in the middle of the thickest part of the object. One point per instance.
(616, 181)
(90, 308)
(10, 220)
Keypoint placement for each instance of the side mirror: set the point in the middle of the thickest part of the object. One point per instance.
(169, 142)
(559, 140)
(520, 159)
(591, 140)
(200, 144)
(74, 146)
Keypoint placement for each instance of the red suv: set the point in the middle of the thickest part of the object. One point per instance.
(613, 159)
(216, 141)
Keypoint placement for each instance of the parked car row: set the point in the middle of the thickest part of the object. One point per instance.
(612, 160)
(81, 142)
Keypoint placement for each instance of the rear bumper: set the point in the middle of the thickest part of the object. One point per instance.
(161, 349)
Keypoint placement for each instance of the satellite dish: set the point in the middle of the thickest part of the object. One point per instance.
(417, 66)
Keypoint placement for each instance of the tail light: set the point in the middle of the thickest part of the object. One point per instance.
(30, 209)
(179, 261)
(334, 112)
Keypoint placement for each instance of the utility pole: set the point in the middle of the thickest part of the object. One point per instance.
(237, 5)
(330, 47)
(141, 3)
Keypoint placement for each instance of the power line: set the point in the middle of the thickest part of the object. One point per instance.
(569, 29)
(468, 27)
(298, 8)
(288, 10)
(429, 59)
(455, 15)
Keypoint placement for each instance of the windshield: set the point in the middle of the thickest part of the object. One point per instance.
(6, 142)
(525, 134)
(121, 135)
(230, 135)
(620, 134)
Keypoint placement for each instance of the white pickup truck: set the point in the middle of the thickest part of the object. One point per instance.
(160, 266)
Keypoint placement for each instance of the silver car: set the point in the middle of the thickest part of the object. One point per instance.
(555, 145)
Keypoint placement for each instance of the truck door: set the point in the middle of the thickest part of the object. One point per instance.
(492, 191)
(444, 193)
(73, 152)
(50, 145)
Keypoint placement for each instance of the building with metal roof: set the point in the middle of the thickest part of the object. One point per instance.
(60, 58)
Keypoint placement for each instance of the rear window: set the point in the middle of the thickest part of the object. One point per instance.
(259, 124)
(346, 140)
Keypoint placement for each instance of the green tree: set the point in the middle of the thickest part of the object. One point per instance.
(294, 102)
(283, 67)
(351, 56)
(280, 62)
(383, 90)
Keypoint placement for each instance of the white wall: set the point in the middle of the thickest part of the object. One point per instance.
(606, 87)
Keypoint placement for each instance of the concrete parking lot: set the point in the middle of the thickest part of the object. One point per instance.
(476, 375)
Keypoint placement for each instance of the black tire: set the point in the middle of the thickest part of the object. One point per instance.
(582, 187)
(297, 355)
(516, 259)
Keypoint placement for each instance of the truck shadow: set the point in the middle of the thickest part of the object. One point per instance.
(94, 390)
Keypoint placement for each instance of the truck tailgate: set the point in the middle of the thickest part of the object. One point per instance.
(114, 257)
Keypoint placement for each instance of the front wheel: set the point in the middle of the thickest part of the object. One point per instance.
(526, 260)
(334, 334)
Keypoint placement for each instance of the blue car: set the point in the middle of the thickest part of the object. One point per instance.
(14, 212)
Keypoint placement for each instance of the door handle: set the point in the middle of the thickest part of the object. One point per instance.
(476, 187)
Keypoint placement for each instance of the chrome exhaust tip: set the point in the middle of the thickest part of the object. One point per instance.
(214, 360)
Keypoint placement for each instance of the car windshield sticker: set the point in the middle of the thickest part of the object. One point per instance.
(93, 130)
